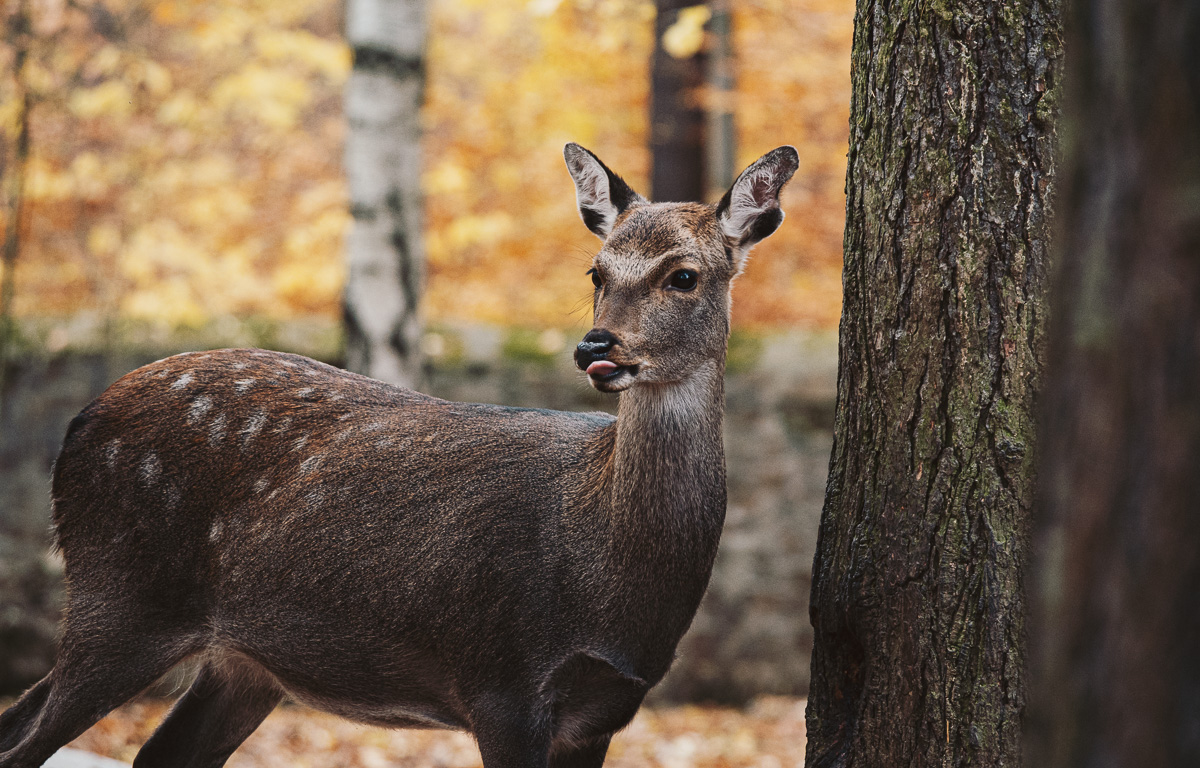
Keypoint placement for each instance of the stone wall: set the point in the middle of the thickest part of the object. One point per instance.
(752, 634)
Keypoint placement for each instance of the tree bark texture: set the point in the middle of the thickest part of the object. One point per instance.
(383, 165)
(917, 603)
(677, 116)
(1117, 625)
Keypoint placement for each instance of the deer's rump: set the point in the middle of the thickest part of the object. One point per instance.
(329, 528)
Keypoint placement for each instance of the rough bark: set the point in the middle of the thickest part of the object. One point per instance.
(383, 166)
(677, 117)
(917, 603)
(1117, 655)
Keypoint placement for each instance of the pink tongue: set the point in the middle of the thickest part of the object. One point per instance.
(600, 368)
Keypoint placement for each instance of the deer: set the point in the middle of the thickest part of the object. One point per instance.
(300, 531)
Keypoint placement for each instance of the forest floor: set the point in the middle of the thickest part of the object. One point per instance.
(767, 734)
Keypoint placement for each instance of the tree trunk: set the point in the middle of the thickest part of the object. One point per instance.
(677, 117)
(383, 165)
(1118, 619)
(917, 603)
(720, 138)
(13, 166)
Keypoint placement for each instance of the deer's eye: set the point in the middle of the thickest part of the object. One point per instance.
(596, 281)
(683, 280)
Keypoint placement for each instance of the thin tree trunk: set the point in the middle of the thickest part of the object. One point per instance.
(383, 165)
(20, 38)
(1118, 619)
(917, 603)
(677, 117)
(720, 137)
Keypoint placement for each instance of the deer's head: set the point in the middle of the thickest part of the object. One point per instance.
(662, 278)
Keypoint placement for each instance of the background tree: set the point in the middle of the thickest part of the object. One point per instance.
(13, 162)
(383, 169)
(1119, 530)
(677, 116)
(916, 603)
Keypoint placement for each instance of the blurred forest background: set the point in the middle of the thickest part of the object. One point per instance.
(184, 160)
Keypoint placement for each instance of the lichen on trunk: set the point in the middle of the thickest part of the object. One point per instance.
(917, 602)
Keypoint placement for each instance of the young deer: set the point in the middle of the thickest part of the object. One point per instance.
(398, 559)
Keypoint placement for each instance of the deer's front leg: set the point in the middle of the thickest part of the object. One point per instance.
(511, 734)
(590, 755)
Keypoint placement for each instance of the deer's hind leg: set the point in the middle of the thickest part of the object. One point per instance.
(95, 673)
(227, 701)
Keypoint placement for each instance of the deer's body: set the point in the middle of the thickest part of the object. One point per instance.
(395, 558)
(326, 477)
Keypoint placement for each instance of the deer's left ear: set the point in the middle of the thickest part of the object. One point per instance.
(750, 209)
(602, 195)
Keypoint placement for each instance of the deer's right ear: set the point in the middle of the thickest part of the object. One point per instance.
(601, 194)
(750, 209)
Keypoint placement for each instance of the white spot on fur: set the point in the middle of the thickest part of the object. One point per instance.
(299, 442)
(182, 381)
(200, 406)
(150, 470)
(241, 366)
(241, 385)
(111, 449)
(216, 432)
(253, 426)
(305, 392)
(215, 532)
(260, 485)
(345, 416)
(283, 425)
(311, 463)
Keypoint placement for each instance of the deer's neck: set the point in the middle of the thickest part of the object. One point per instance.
(668, 458)
(664, 490)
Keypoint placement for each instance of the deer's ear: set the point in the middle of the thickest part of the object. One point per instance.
(750, 209)
(602, 195)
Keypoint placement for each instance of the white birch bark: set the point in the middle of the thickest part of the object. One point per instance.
(383, 166)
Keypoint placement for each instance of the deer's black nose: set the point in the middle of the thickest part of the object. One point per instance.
(594, 347)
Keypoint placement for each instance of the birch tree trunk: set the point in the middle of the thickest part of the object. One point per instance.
(383, 165)
(917, 603)
(1118, 630)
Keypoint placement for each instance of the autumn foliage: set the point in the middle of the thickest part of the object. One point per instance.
(185, 165)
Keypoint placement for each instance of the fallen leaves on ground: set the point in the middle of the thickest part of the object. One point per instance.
(768, 734)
